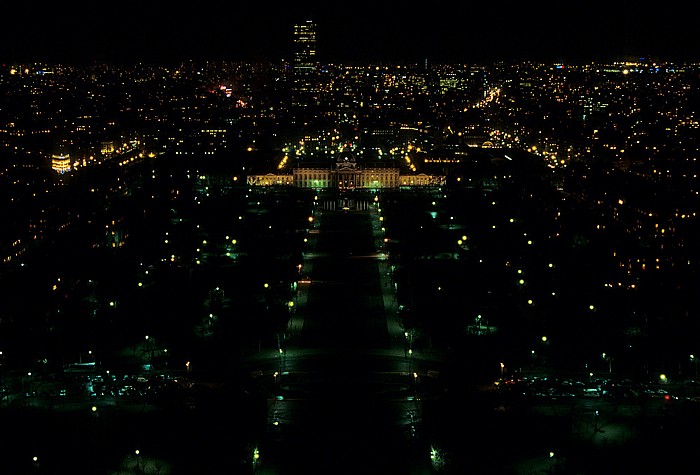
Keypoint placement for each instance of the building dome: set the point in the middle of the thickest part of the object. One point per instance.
(346, 156)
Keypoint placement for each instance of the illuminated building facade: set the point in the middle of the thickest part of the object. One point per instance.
(304, 64)
(345, 174)
(61, 163)
(304, 48)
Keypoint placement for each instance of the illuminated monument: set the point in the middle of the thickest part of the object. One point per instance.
(345, 174)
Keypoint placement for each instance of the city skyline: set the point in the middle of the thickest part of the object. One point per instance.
(360, 31)
(319, 263)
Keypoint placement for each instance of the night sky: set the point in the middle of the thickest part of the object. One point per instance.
(347, 31)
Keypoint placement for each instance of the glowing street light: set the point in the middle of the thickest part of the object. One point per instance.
(551, 459)
(256, 459)
(608, 358)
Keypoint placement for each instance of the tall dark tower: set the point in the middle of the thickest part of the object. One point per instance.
(304, 65)
(304, 59)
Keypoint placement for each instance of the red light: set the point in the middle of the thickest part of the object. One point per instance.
(667, 397)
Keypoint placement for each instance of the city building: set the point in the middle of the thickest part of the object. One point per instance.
(346, 173)
(60, 163)
(304, 55)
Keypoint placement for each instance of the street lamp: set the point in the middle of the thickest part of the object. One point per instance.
(595, 421)
(256, 459)
(409, 336)
(551, 459)
(609, 359)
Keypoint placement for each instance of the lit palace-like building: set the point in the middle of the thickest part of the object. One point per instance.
(345, 174)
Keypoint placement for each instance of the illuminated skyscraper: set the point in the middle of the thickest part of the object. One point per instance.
(304, 59)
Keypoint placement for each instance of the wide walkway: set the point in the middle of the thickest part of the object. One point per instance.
(345, 385)
(346, 299)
